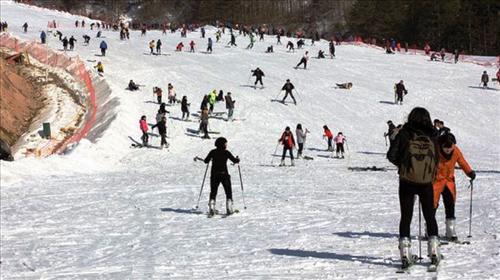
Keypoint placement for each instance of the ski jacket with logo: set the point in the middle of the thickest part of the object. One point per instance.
(287, 139)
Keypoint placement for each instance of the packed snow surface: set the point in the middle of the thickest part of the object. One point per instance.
(109, 211)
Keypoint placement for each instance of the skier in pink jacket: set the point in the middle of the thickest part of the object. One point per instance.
(143, 124)
(339, 143)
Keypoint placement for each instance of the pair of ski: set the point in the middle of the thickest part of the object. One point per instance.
(211, 215)
(407, 266)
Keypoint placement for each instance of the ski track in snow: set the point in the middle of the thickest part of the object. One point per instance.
(111, 212)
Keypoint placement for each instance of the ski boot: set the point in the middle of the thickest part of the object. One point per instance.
(293, 163)
(451, 235)
(407, 259)
(282, 162)
(211, 207)
(433, 250)
(229, 207)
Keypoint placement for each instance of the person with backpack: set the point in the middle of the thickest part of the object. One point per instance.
(162, 130)
(301, 139)
(485, 79)
(414, 152)
(288, 87)
(229, 106)
(288, 143)
(339, 144)
(103, 46)
(143, 125)
(303, 60)
(258, 74)
(185, 108)
(444, 184)
(329, 136)
(400, 91)
(219, 174)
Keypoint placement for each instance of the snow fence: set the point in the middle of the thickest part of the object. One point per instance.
(95, 120)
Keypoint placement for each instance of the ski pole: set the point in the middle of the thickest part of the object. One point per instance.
(275, 150)
(242, 191)
(249, 77)
(470, 210)
(299, 95)
(202, 184)
(385, 137)
(419, 231)
(278, 94)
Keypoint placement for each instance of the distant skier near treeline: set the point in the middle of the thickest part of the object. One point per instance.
(219, 174)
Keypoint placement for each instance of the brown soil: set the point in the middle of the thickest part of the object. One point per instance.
(21, 100)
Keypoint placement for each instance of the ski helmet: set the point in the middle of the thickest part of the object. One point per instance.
(220, 142)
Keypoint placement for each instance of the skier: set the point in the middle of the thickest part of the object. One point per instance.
(179, 47)
(100, 68)
(162, 130)
(159, 94)
(303, 60)
(204, 123)
(289, 46)
(339, 144)
(288, 87)
(219, 174)
(442, 53)
(332, 49)
(457, 55)
(233, 40)
(414, 152)
(72, 41)
(400, 91)
(191, 45)
(390, 131)
(288, 143)
(258, 76)
(152, 46)
(270, 49)
(86, 39)
(252, 40)
(171, 94)
(65, 43)
(220, 96)
(185, 107)
(212, 98)
(43, 37)
(209, 45)
(278, 39)
(329, 136)
(344, 85)
(158, 47)
(300, 44)
(143, 124)
(301, 139)
(444, 184)
(132, 86)
(25, 27)
(204, 102)
(485, 79)
(202, 32)
(229, 106)
(427, 49)
(103, 46)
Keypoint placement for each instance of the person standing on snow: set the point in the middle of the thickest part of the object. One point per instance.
(219, 174)
(288, 87)
(171, 94)
(212, 98)
(25, 27)
(288, 143)
(158, 47)
(103, 46)
(400, 91)
(304, 60)
(65, 43)
(204, 123)
(289, 46)
(159, 94)
(339, 144)
(143, 125)
(162, 130)
(72, 41)
(258, 76)
(43, 37)
(233, 40)
(329, 136)
(185, 108)
(485, 79)
(209, 45)
(229, 106)
(152, 46)
(191, 46)
(444, 184)
(301, 139)
(414, 152)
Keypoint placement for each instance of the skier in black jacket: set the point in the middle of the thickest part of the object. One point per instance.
(414, 152)
(162, 129)
(288, 87)
(219, 174)
(400, 91)
(258, 76)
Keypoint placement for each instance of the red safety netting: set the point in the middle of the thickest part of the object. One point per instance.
(76, 68)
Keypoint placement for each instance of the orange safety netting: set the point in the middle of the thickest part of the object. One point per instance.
(72, 65)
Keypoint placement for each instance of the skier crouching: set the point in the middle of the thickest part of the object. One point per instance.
(219, 174)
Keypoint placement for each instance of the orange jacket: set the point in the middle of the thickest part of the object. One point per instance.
(446, 173)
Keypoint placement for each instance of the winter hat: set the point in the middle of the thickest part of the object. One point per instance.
(220, 142)
(287, 128)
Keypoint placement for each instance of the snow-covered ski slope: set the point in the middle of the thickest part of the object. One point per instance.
(107, 211)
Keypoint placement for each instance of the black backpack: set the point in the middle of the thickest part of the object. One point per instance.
(419, 161)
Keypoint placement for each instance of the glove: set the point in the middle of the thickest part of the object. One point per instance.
(472, 175)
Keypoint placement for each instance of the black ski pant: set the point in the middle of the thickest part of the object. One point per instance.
(330, 148)
(302, 61)
(103, 52)
(159, 99)
(301, 147)
(340, 148)
(145, 137)
(185, 113)
(259, 79)
(285, 148)
(209, 49)
(449, 204)
(291, 95)
(163, 137)
(399, 97)
(216, 180)
(407, 192)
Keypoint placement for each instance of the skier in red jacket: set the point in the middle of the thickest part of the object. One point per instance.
(288, 143)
